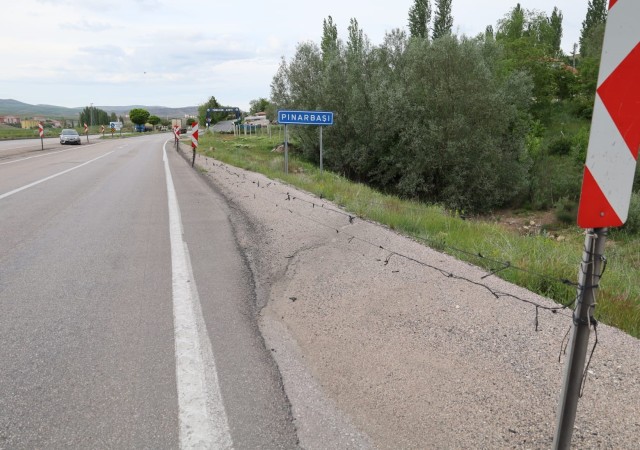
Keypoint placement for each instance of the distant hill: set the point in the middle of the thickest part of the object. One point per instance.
(16, 108)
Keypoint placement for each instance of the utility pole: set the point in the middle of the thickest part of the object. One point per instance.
(588, 281)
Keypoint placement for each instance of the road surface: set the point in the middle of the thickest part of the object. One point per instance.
(128, 315)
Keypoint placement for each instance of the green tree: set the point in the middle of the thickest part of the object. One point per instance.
(529, 39)
(512, 26)
(113, 118)
(329, 43)
(419, 18)
(443, 21)
(259, 105)
(555, 23)
(596, 16)
(139, 116)
(280, 86)
(591, 41)
(215, 117)
(406, 114)
(154, 120)
(94, 116)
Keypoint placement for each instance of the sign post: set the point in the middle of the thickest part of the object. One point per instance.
(319, 118)
(321, 149)
(606, 188)
(41, 133)
(194, 141)
(86, 131)
(102, 130)
(115, 126)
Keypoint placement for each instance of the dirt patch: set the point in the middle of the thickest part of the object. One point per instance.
(528, 223)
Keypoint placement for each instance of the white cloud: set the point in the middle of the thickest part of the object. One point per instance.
(76, 52)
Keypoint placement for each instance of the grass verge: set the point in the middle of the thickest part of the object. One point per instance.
(546, 261)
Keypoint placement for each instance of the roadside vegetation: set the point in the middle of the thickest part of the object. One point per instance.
(546, 259)
(474, 124)
(435, 135)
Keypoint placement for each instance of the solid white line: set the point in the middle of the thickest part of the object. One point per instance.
(202, 417)
(35, 183)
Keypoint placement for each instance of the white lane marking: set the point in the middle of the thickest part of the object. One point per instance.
(202, 417)
(35, 183)
(37, 156)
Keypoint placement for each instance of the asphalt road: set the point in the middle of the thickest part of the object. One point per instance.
(127, 311)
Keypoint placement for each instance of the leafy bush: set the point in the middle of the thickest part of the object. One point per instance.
(566, 210)
(560, 146)
(554, 178)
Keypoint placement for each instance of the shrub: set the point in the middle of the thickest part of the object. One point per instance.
(560, 146)
(566, 210)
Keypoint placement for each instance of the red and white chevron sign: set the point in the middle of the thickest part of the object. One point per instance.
(615, 130)
(194, 135)
(41, 130)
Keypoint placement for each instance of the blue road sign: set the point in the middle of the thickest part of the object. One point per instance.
(305, 117)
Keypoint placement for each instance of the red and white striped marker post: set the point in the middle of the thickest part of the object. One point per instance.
(194, 141)
(606, 187)
(176, 135)
(41, 133)
(86, 131)
(615, 130)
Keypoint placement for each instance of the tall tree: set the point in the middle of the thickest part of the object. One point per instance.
(555, 22)
(94, 116)
(329, 42)
(419, 18)
(258, 105)
(215, 117)
(596, 17)
(512, 26)
(443, 21)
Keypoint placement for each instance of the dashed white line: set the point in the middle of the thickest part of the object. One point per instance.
(37, 156)
(35, 183)
(202, 417)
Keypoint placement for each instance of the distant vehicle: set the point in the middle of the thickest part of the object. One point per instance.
(69, 136)
(140, 128)
(181, 124)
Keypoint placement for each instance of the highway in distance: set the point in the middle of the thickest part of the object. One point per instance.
(127, 311)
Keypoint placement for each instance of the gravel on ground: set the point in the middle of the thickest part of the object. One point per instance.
(385, 343)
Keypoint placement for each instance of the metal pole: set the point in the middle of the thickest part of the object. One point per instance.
(286, 150)
(588, 280)
(321, 149)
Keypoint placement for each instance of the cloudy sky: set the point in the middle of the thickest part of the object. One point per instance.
(177, 53)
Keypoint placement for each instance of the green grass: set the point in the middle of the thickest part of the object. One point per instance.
(8, 132)
(618, 298)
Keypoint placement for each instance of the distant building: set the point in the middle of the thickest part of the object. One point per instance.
(29, 123)
(10, 120)
(258, 119)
